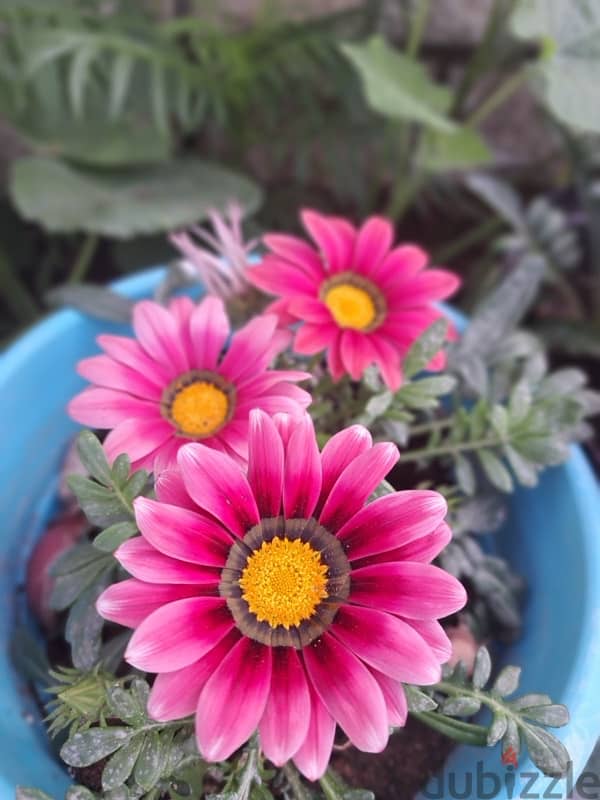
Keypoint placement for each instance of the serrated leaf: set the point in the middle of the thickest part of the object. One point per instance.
(114, 536)
(121, 764)
(397, 86)
(425, 348)
(495, 470)
(149, 766)
(418, 700)
(66, 199)
(545, 750)
(554, 715)
(88, 747)
(93, 457)
(507, 681)
(482, 668)
(497, 729)
(96, 301)
(461, 706)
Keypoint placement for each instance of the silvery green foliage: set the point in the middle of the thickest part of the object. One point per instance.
(97, 301)
(514, 722)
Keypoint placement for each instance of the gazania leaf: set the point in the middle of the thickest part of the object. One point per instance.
(88, 747)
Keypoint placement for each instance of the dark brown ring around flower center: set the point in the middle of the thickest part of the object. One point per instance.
(188, 379)
(338, 581)
(360, 282)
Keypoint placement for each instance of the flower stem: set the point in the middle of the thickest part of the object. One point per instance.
(417, 27)
(426, 453)
(432, 425)
(457, 729)
(84, 258)
(496, 98)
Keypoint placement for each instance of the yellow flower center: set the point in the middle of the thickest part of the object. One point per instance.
(283, 582)
(354, 301)
(198, 403)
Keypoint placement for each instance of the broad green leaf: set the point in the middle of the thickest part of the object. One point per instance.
(87, 747)
(114, 536)
(507, 681)
(95, 301)
(79, 75)
(547, 753)
(554, 715)
(120, 80)
(101, 505)
(121, 764)
(149, 766)
(93, 457)
(398, 86)
(84, 627)
(66, 199)
(482, 668)
(567, 75)
(461, 706)
(495, 470)
(497, 729)
(79, 793)
(462, 150)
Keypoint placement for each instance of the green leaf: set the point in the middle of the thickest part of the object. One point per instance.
(149, 766)
(465, 475)
(79, 76)
(425, 348)
(121, 764)
(84, 627)
(524, 470)
(79, 793)
(511, 740)
(547, 753)
(120, 80)
(101, 505)
(88, 747)
(398, 86)
(568, 74)
(93, 457)
(497, 729)
(461, 706)
(554, 715)
(65, 199)
(121, 469)
(125, 706)
(507, 681)
(482, 668)
(418, 700)
(500, 196)
(29, 793)
(495, 470)
(461, 150)
(72, 580)
(96, 301)
(114, 536)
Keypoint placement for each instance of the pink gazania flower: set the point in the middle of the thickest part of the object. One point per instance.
(280, 599)
(359, 299)
(172, 384)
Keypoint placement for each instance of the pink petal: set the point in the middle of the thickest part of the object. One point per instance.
(251, 349)
(356, 483)
(178, 634)
(217, 484)
(175, 694)
(137, 438)
(182, 534)
(259, 384)
(281, 309)
(312, 758)
(391, 521)
(170, 488)
(339, 452)
(387, 359)
(349, 692)
(233, 700)
(265, 464)
(426, 287)
(297, 252)
(374, 240)
(143, 561)
(302, 481)
(333, 236)
(285, 425)
(416, 591)
(355, 353)
(158, 333)
(105, 371)
(334, 359)
(386, 643)
(129, 353)
(130, 602)
(401, 263)
(284, 725)
(395, 698)
(312, 338)
(275, 276)
(424, 549)
(105, 408)
(209, 330)
(309, 309)
(435, 636)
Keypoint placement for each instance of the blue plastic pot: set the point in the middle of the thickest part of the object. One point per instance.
(552, 537)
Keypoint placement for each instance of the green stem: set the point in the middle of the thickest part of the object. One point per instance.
(480, 59)
(403, 194)
(417, 27)
(331, 785)
(457, 729)
(15, 294)
(295, 781)
(448, 449)
(84, 258)
(432, 425)
(496, 98)
(469, 239)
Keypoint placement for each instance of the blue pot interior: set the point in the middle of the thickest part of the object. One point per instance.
(552, 537)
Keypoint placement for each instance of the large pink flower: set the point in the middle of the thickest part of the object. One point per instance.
(359, 299)
(172, 384)
(281, 600)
